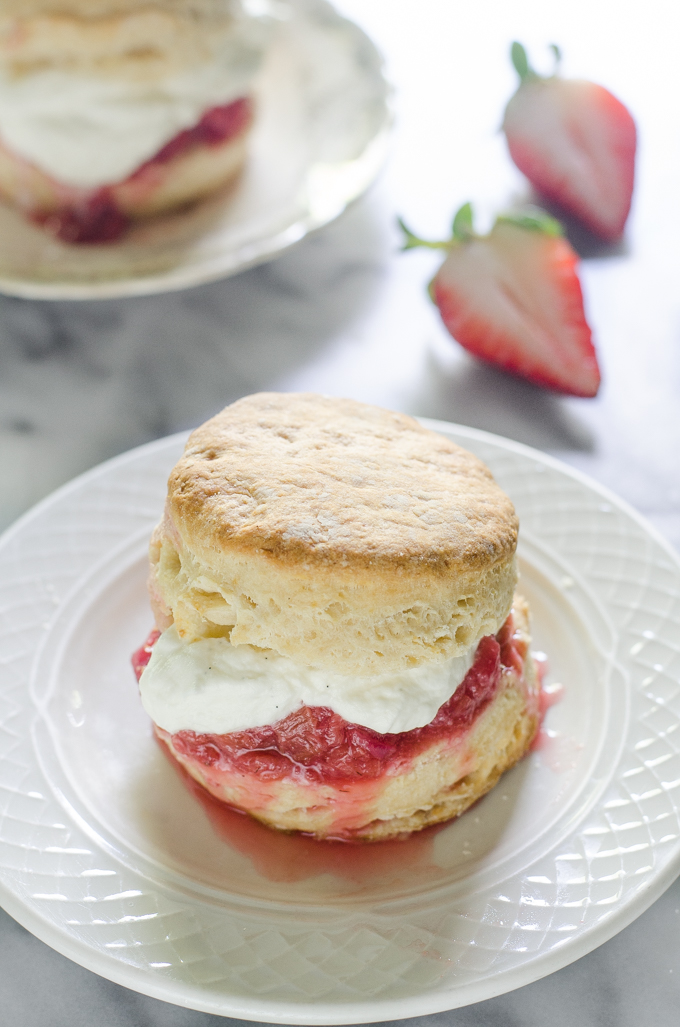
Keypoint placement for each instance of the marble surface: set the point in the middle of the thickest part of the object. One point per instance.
(345, 313)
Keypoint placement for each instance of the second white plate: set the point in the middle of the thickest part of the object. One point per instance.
(319, 140)
(109, 855)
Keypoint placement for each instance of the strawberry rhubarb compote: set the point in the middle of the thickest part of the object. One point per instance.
(123, 111)
(343, 773)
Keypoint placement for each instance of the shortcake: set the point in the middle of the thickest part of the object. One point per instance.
(113, 110)
(339, 649)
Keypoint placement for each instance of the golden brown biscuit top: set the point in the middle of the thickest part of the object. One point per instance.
(140, 39)
(315, 480)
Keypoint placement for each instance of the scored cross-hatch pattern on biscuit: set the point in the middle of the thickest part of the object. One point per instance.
(55, 869)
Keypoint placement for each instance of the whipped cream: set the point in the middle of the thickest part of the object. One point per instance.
(89, 131)
(211, 686)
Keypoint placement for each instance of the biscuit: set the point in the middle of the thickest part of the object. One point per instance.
(125, 38)
(354, 541)
(146, 55)
(341, 535)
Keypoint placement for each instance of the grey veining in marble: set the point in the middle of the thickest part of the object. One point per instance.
(346, 313)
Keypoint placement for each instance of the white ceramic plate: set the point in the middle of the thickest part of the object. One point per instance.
(319, 140)
(108, 855)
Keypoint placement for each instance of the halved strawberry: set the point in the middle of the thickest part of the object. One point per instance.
(575, 142)
(513, 298)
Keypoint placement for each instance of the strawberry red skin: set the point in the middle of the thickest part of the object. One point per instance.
(513, 299)
(575, 142)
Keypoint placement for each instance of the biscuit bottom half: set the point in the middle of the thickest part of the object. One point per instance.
(195, 163)
(314, 773)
